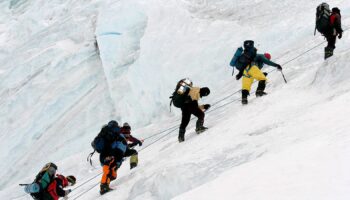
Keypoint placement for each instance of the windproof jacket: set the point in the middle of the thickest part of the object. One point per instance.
(55, 189)
(260, 60)
(335, 22)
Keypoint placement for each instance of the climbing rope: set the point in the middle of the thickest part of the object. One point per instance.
(175, 127)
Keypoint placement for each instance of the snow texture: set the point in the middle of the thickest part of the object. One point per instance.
(68, 67)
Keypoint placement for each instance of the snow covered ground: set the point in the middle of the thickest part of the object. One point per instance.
(57, 90)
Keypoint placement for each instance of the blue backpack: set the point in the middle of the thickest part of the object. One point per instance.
(234, 60)
(120, 144)
(242, 58)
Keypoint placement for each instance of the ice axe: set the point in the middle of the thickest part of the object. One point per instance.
(283, 76)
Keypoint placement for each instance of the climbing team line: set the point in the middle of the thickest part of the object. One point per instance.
(173, 128)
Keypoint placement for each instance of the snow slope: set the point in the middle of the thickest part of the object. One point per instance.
(57, 90)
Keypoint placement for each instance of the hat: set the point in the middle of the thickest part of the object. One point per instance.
(204, 91)
(71, 179)
(126, 126)
(248, 44)
(336, 10)
(267, 55)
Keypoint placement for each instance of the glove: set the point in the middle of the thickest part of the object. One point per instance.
(340, 35)
(238, 76)
(206, 106)
(139, 143)
(279, 67)
(265, 73)
(67, 192)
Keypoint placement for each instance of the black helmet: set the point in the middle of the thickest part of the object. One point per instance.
(248, 44)
(204, 91)
(336, 10)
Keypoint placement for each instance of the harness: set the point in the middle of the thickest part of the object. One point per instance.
(247, 70)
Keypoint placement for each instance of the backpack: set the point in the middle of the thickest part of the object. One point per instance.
(42, 180)
(180, 95)
(322, 17)
(101, 141)
(120, 144)
(235, 58)
(98, 144)
(243, 58)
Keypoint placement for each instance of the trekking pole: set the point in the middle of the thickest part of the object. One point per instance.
(233, 69)
(24, 184)
(283, 77)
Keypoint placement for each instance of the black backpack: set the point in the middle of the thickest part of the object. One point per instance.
(101, 142)
(179, 99)
(248, 55)
(322, 18)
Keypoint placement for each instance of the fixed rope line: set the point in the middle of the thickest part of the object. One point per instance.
(161, 132)
(81, 194)
(300, 55)
(86, 181)
(173, 128)
(220, 100)
(285, 63)
(180, 119)
(84, 192)
(225, 98)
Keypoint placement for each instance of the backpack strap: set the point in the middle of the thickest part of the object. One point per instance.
(88, 159)
(171, 102)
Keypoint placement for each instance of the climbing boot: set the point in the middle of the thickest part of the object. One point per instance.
(260, 90)
(201, 129)
(133, 161)
(245, 94)
(104, 188)
(260, 93)
(328, 52)
(133, 165)
(199, 126)
(181, 135)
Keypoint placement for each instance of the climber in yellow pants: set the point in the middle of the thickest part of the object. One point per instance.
(251, 73)
(254, 72)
